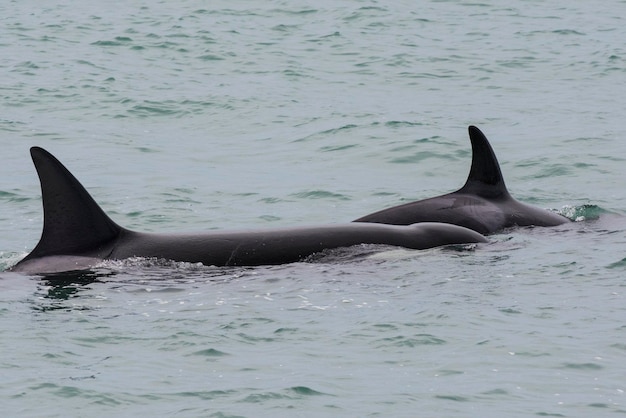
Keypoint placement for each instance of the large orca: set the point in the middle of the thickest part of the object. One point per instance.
(77, 234)
(482, 204)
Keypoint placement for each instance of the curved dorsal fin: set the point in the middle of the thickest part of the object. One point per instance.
(485, 178)
(73, 223)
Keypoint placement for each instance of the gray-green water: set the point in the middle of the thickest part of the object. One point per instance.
(191, 115)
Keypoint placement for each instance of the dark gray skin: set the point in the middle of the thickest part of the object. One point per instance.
(77, 234)
(482, 204)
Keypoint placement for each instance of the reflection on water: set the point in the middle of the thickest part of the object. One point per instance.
(63, 286)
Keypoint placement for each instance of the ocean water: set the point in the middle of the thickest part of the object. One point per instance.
(191, 115)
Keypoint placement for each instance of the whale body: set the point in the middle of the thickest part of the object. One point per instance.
(77, 234)
(483, 204)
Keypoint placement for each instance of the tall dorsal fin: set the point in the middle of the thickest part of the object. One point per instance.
(73, 223)
(485, 178)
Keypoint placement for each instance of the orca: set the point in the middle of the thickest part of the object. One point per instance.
(78, 234)
(482, 204)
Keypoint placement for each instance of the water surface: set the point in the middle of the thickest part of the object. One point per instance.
(194, 116)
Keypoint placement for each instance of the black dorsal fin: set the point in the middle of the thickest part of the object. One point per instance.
(73, 223)
(485, 178)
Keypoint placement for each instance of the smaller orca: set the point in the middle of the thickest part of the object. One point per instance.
(482, 204)
(77, 234)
